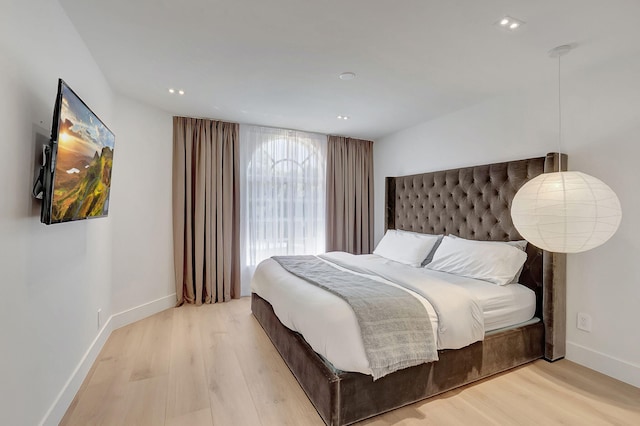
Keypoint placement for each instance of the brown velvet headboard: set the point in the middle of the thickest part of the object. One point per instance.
(475, 203)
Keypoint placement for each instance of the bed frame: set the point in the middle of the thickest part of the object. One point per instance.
(474, 203)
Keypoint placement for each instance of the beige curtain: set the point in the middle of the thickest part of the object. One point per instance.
(349, 195)
(206, 210)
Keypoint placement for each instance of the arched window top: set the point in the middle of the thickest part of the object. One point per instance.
(282, 156)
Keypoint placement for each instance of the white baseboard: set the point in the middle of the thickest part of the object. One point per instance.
(624, 371)
(143, 311)
(115, 321)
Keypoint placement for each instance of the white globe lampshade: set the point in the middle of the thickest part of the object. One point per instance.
(566, 212)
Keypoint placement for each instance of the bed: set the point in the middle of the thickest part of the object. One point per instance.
(471, 203)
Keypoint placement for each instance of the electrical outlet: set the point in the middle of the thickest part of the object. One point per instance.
(584, 322)
(99, 318)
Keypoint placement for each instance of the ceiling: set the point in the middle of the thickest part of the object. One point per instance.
(276, 62)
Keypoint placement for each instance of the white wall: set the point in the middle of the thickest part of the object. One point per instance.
(54, 278)
(601, 114)
(141, 206)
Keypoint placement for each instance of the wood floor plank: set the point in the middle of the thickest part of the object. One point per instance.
(535, 408)
(194, 418)
(188, 388)
(146, 401)
(276, 394)
(101, 399)
(214, 365)
(154, 353)
(230, 398)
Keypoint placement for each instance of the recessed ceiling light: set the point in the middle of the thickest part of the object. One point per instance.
(347, 76)
(172, 91)
(343, 117)
(181, 92)
(509, 23)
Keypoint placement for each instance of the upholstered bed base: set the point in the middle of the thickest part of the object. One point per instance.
(342, 398)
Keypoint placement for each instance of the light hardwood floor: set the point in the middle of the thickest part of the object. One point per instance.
(213, 365)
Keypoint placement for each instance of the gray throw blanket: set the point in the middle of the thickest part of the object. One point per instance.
(395, 327)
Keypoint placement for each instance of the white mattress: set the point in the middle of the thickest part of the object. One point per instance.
(502, 305)
(336, 336)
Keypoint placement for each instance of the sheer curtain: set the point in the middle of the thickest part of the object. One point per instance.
(283, 189)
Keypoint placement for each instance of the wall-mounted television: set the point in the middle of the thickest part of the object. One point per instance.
(76, 172)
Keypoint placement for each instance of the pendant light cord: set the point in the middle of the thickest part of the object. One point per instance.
(559, 115)
(559, 52)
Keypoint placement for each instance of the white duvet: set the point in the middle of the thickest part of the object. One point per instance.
(330, 327)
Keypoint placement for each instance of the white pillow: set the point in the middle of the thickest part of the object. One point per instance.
(483, 260)
(519, 244)
(410, 248)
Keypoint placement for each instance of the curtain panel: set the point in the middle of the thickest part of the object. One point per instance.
(349, 195)
(206, 211)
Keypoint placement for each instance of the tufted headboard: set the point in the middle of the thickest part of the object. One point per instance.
(475, 203)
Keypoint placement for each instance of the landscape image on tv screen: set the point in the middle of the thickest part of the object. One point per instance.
(84, 161)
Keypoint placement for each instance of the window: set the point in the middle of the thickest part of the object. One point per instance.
(283, 194)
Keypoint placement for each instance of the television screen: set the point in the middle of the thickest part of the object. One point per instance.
(79, 162)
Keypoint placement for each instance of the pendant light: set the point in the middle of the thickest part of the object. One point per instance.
(565, 212)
